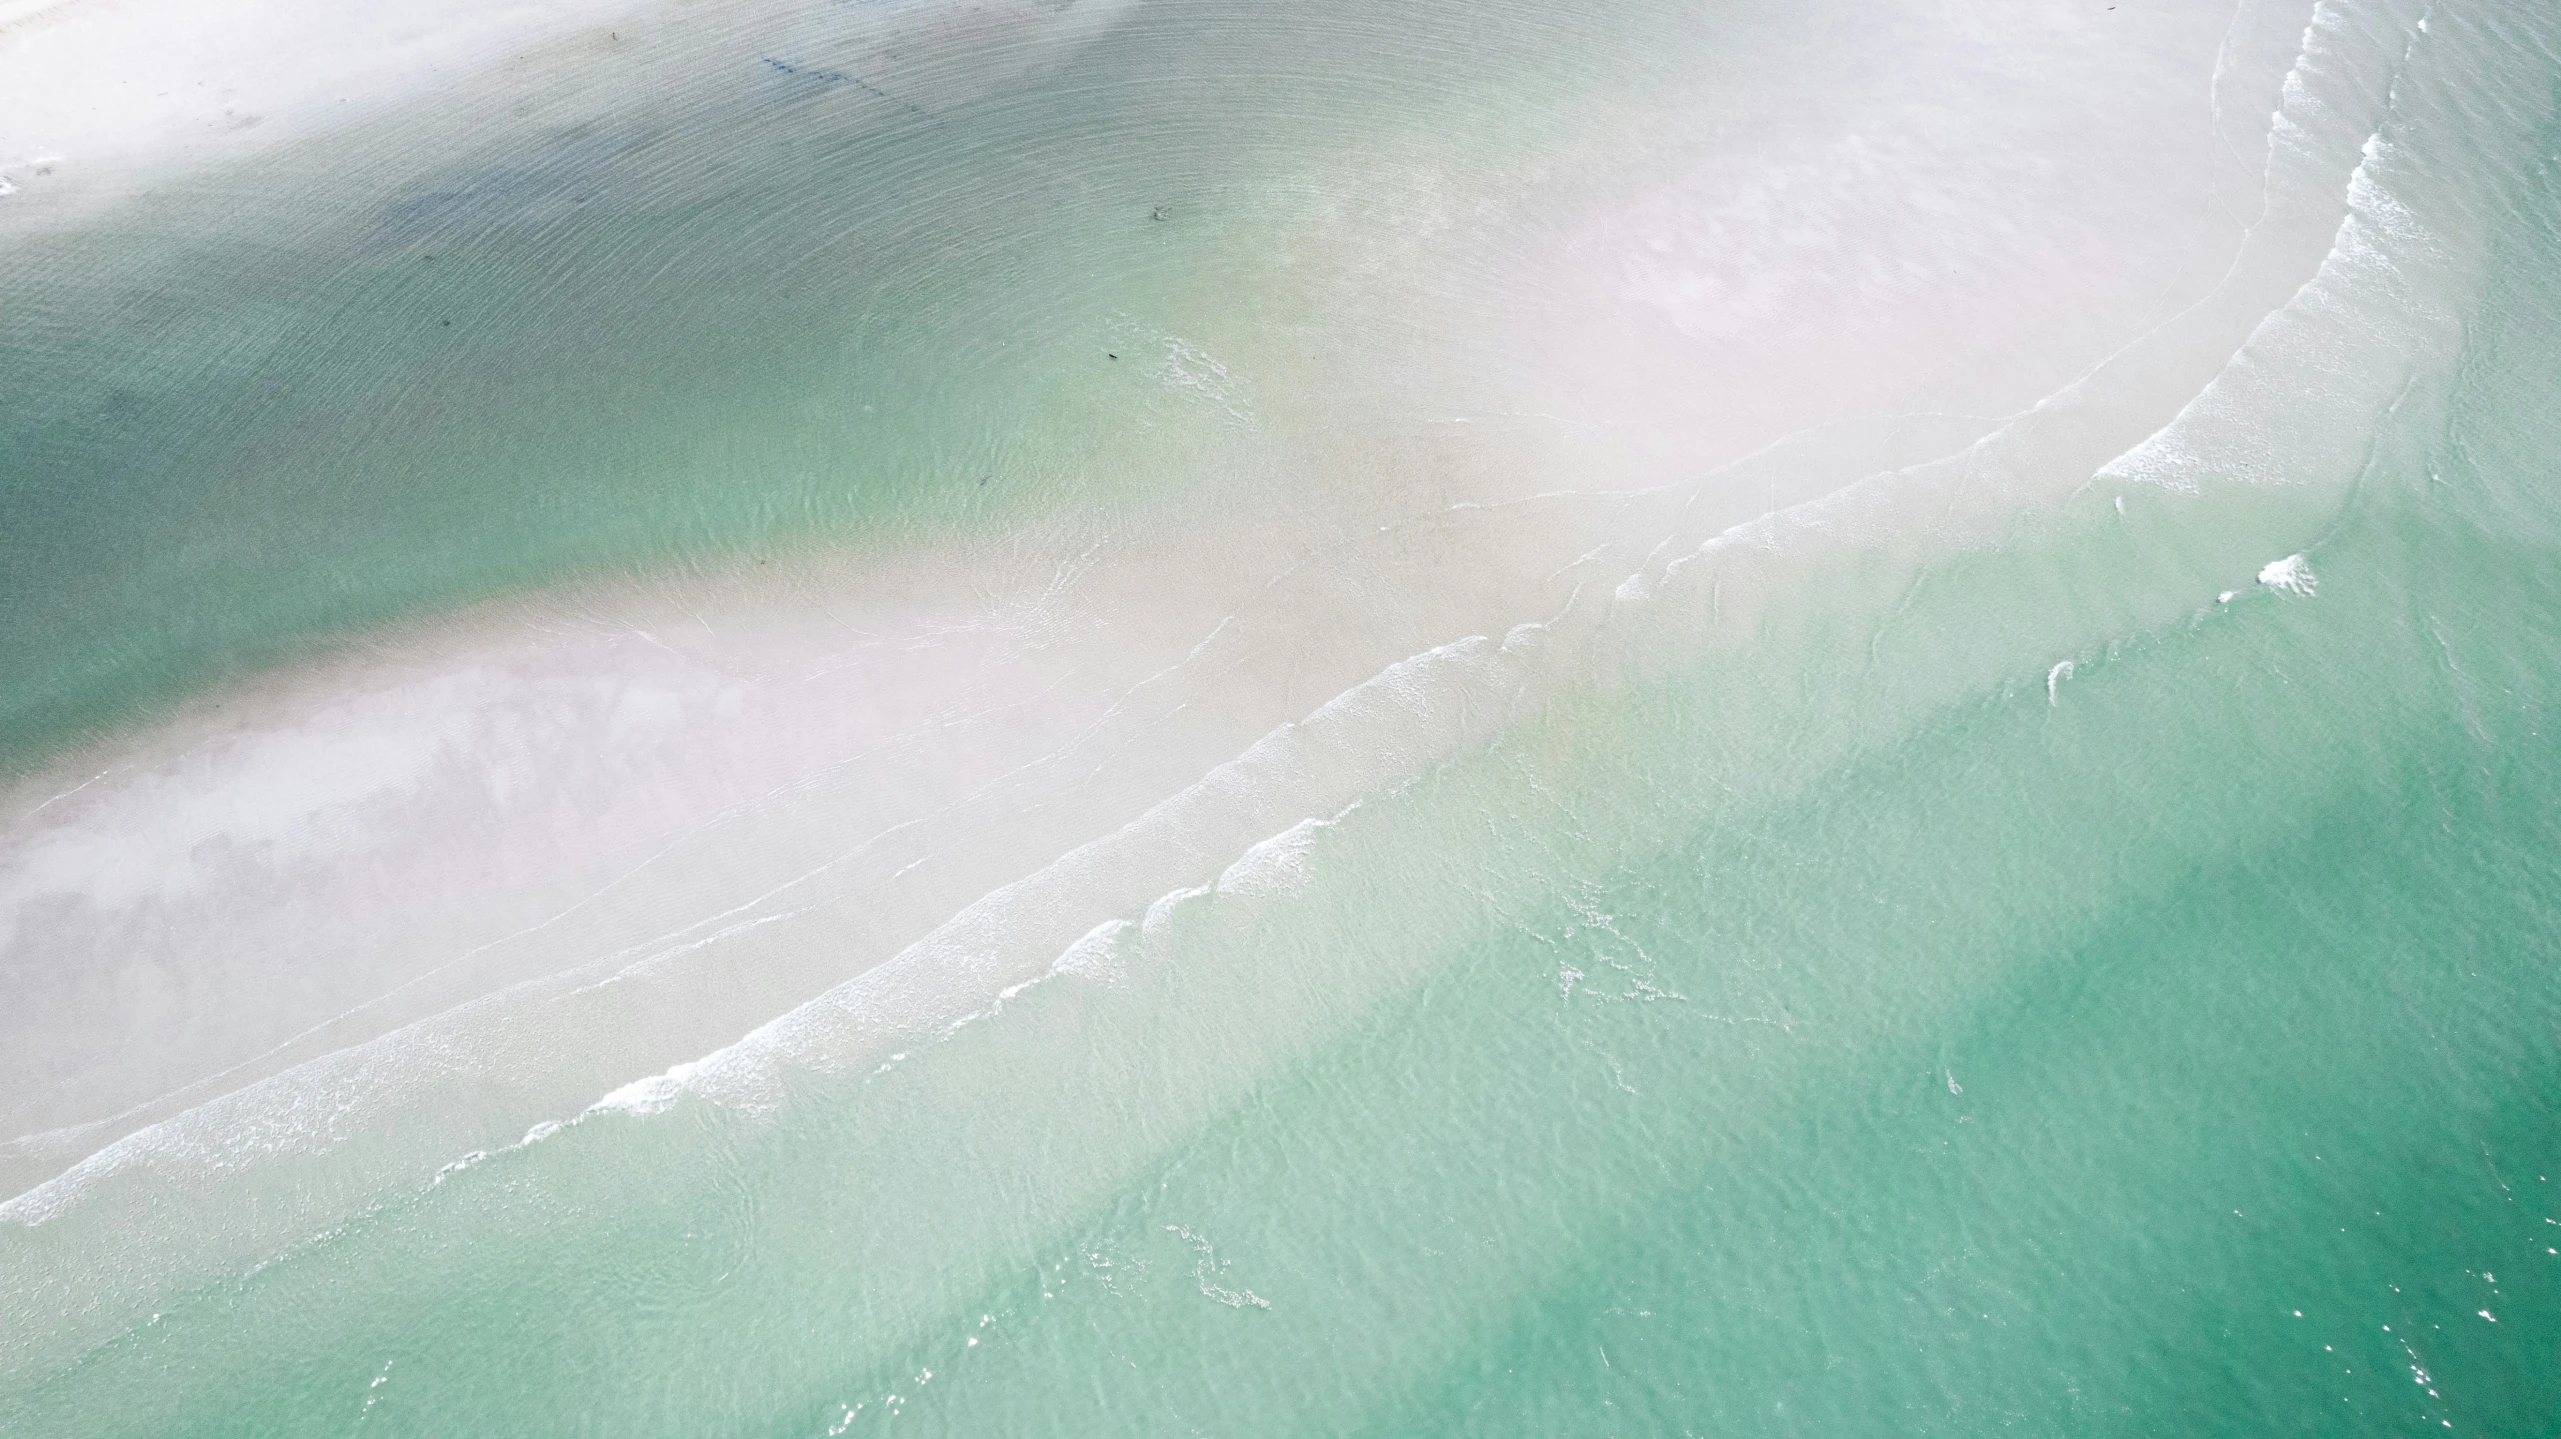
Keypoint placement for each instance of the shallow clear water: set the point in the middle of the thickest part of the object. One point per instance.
(1937, 815)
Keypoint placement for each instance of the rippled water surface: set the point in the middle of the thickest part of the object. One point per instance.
(1178, 717)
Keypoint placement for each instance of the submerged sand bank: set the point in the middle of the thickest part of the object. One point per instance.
(317, 858)
(104, 101)
(478, 872)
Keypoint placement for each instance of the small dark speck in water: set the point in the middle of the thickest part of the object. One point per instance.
(1111, 357)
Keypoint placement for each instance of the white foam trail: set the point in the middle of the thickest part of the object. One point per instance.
(2334, 356)
(2291, 575)
(1415, 712)
(1275, 867)
(1364, 742)
(1098, 956)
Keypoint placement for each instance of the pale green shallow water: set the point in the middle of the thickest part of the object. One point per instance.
(1795, 1008)
(287, 402)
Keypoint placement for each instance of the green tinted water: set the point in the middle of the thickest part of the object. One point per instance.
(1810, 1015)
(294, 399)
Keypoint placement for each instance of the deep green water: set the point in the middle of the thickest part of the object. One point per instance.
(1796, 1007)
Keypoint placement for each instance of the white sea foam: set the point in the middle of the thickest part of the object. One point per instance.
(2296, 403)
(1208, 1268)
(435, 792)
(1192, 370)
(650, 1094)
(1277, 866)
(1413, 714)
(1099, 956)
(2291, 575)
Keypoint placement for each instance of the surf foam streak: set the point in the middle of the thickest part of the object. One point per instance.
(1414, 713)
(2298, 399)
(100, 100)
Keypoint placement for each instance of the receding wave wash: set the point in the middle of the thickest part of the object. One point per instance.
(1213, 717)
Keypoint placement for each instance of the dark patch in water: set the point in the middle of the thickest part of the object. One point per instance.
(839, 77)
(566, 172)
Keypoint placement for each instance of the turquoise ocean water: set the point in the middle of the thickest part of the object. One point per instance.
(2054, 930)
